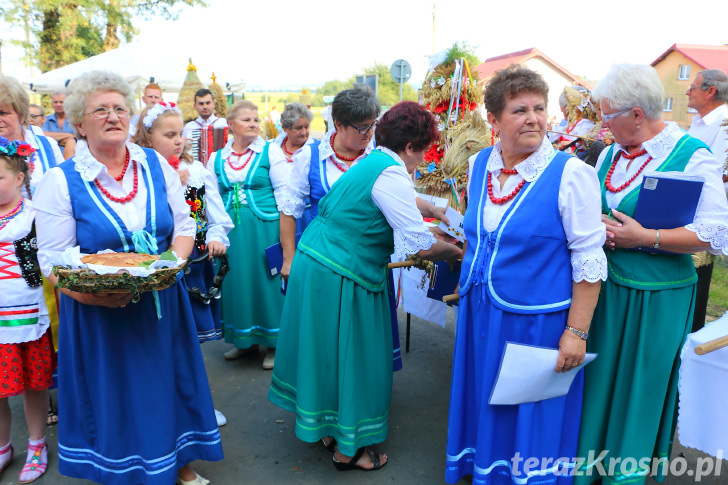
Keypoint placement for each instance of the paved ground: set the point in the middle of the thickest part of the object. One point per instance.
(259, 442)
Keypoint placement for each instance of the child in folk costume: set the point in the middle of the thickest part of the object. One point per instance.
(160, 127)
(25, 348)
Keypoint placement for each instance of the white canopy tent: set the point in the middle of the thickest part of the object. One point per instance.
(138, 63)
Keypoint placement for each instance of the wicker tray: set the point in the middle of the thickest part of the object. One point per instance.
(87, 281)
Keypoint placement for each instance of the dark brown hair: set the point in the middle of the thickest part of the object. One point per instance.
(510, 82)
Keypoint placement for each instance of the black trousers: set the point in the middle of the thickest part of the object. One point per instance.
(701, 298)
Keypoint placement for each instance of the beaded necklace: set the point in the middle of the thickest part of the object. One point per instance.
(123, 170)
(240, 155)
(502, 200)
(608, 179)
(340, 157)
(121, 200)
(5, 219)
(289, 155)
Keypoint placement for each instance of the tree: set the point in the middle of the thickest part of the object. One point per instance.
(387, 88)
(59, 32)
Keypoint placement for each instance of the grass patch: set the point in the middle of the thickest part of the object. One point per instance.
(279, 99)
(718, 296)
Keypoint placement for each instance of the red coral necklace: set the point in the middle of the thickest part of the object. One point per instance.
(130, 196)
(608, 179)
(289, 155)
(341, 157)
(502, 200)
(240, 155)
(123, 170)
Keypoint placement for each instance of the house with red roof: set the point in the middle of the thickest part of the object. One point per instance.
(677, 67)
(556, 76)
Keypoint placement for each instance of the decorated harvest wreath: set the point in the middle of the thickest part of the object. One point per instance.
(86, 280)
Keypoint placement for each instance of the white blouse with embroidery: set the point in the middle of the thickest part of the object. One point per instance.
(711, 218)
(219, 223)
(394, 194)
(56, 225)
(236, 176)
(579, 206)
(292, 201)
(280, 167)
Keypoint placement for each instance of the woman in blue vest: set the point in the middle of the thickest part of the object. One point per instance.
(531, 275)
(251, 297)
(645, 309)
(14, 117)
(334, 368)
(132, 389)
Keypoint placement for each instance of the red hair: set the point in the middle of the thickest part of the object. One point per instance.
(407, 122)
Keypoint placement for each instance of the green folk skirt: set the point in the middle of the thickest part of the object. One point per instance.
(251, 300)
(334, 359)
(630, 390)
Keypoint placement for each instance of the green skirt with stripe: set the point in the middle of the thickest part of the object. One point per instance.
(333, 364)
(251, 300)
(630, 390)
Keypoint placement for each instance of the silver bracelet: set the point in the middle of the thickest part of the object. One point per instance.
(582, 335)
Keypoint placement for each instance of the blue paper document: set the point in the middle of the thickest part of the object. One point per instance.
(668, 199)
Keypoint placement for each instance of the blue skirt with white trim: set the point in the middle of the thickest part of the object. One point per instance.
(493, 443)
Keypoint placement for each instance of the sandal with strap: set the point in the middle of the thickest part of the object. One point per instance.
(331, 446)
(7, 463)
(35, 466)
(351, 464)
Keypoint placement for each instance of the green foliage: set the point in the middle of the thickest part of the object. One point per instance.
(462, 49)
(718, 296)
(387, 88)
(66, 31)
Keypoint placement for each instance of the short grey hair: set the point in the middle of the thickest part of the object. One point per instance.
(355, 105)
(90, 82)
(294, 112)
(717, 78)
(632, 86)
(237, 107)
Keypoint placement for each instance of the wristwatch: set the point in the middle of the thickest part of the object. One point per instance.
(582, 335)
(657, 240)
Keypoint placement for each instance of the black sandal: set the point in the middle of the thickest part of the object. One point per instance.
(331, 446)
(52, 418)
(351, 464)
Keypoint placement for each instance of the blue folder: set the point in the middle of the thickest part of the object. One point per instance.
(444, 281)
(666, 202)
(274, 255)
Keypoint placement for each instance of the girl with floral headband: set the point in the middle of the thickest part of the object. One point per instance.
(25, 348)
(160, 127)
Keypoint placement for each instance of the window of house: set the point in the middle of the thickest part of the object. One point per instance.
(668, 104)
(684, 72)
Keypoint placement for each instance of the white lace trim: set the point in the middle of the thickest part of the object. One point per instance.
(411, 241)
(589, 266)
(90, 168)
(290, 203)
(714, 233)
(197, 174)
(662, 144)
(256, 145)
(531, 167)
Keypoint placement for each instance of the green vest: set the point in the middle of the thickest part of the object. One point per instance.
(645, 271)
(258, 189)
(350, 235)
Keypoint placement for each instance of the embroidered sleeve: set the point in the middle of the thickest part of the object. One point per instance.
(412, 240)
(715, 234)
(290, 202)
(589, 266)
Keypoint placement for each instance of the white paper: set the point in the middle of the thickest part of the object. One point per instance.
(455, 229)
(527, 374)
(436, 201)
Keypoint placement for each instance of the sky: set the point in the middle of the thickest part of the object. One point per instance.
(273, 44)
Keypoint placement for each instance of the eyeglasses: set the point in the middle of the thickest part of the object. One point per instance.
(611, 116)
(363, 130)
(38, 116)
(104, 112)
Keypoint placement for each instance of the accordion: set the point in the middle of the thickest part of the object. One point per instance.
(206, 140)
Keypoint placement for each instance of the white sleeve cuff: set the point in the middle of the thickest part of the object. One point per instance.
(290, 203)
(411, 241)
(714, 233)
(589, 266)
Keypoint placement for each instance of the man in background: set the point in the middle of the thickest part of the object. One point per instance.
(152, 95)
(200, 131)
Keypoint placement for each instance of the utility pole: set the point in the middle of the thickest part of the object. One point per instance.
(434, 5)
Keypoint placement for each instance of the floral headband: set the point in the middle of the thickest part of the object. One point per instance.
(157, 110)
(17, 148)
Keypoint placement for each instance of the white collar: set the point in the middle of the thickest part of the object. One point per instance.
(90, 168)
(531, 167)
(660, 145)
(256, 145)
(212, 119)
(392, 154)
(718, 114)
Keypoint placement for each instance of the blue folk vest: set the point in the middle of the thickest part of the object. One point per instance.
(98, 226)
(525, 263)
(45, 152)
